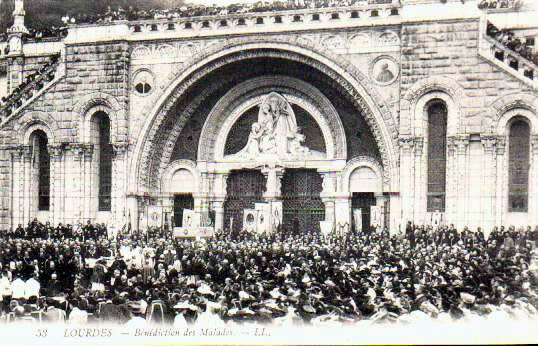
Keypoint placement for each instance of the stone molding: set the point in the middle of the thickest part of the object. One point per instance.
(424, 91)
(330, 124)
(339, 69)
(91, 103)
(361, 161)
(33, 120)
(507, 107)
(173, 167)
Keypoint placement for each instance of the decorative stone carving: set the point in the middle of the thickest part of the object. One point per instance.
(500, 145)
(458, 144)
(382, 123)
(178, 51)
(275, 136)
(55, 151)
(384, 70)
(389, 38)
(406, 143)
(489, 143)
(418, 145)
(120, 149)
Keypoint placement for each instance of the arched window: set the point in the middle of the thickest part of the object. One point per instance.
(104, 152)
(437, 127)
(518, 166)
(41, 164)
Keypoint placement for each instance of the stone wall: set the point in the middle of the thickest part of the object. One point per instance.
(440, 60)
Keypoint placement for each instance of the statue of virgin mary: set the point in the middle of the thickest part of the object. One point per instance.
(275, 134)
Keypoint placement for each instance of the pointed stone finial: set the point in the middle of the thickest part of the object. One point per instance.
(18, 19)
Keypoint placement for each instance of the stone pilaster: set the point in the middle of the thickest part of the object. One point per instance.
(501, 181)
(219, 196)
(407, 177)
(88, 211)
(30, 199)
(461, 146)
(273, 176)
(17, 185)
(420, 173)
(119, 182)
(533, 181)
(489, 184)
(218, 207)
(57, 179)
(328, 196)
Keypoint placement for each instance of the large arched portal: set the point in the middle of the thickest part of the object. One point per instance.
(215, 117)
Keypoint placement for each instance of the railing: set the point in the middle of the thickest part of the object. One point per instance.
(288, 19)
(511, 61)
(33, 84)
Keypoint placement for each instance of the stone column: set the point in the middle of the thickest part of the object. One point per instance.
(501, 181)
(407, 177)
(461, 143)
(73, 184)
(380, 203)
(17, 186)
(328, 195)
(273, 190)
(218, 206)
(273, 176)
(87, 212)
(489, 185)
(219, 195)
(119, 183)
(420, 181)
(29, 198)
(533, 181)
(202, 199)
(56, 180)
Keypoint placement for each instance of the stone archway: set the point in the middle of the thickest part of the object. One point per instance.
(340, 70)
(250, 93)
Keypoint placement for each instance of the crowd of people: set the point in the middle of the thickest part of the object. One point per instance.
(84, 274)
(484, 4)
(194, 10)
(28, 88)
(516, 44)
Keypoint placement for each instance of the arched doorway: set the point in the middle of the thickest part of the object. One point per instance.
(182, 127)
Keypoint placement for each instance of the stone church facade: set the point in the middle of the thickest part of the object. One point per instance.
(404, 107)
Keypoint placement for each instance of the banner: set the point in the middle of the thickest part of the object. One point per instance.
(194, 232)
(250, 220)
(190, 218)
(264, 217)
(326, 227)
(357, 219)
(375, 216)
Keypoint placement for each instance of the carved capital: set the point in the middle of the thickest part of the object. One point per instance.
(458, 144)
(419, 145)
(406, 143)
(26, 152)
(500, 145)
(120, 149)
(489, 143)
(87, 151)
(17, 152)
(55, 151)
